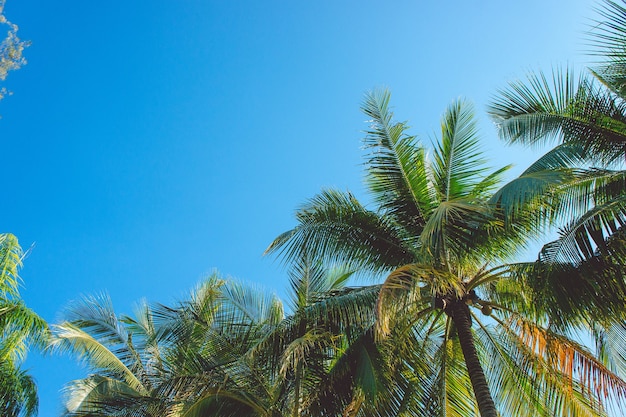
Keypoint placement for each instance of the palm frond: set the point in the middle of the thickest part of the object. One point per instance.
(335, 227)
(309, 279)
(611, 347)
(452, 393)
(458, 164)
(69, 337)
(21, 327)
(18, 392)
(244, 304)
(455, 230)
(566, 108)
(579, 240)
(549, 391)
(396, 165)
(89, 396)
(573, 362)
(607, 38)
(532, 198)
(10, 262)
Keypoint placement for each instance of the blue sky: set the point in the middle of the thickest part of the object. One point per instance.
(149, 143)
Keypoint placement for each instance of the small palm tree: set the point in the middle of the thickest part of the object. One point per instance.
(440, 234)
(20, 328)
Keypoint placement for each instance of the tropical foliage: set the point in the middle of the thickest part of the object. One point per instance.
(20, 328)
(580, 276)
(441, 234)
(455, 328)
(226, 350)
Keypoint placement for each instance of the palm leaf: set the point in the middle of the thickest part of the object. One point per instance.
(566, 107)
(70, 337)
(396, 167)
(18, 392)
(335, 227)
(10, 262)
(458, 164)
(572, 360)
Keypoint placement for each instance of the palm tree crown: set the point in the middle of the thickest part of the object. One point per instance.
(440, 233)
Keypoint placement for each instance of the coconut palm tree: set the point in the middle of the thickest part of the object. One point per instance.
(440, 235)
(583, 270)
(164, 358)
(20, 328)
(226, 350)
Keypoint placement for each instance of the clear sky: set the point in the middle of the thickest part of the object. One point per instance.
(150, 142)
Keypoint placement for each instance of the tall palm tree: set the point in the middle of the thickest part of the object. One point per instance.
(20, 328)
(586, 111)
(440, 234)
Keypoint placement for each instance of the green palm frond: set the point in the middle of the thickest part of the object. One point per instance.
(346, 311)
(530, 198)
(227, 403)
(68, 336)
(10, 262)
(608, 38)
(309, 280)
(243, 304)
(580, 240)
(530, 111)
(18, 392)
(335, 227)
(396, 167)
(568, 108)
(611, 347)
(453, 228)
(458, 163)
(451, 391)
(94, 333)
(21, 328)
(570, 295)
(298, 351)
(89, 396)
(514, 392)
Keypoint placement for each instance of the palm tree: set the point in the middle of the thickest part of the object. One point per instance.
(439, 234)
(586, 111)
(164, 358)
(226, 350)
(20, 328)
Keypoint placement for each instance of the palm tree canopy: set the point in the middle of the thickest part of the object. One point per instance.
(580, 274)
(226, 349)
(20, 328)
(440, 233)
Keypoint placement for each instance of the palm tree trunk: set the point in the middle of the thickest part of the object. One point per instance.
(461, 317)
(296, 401)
